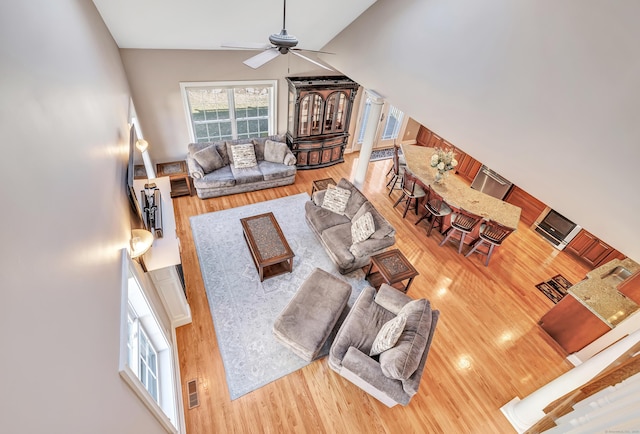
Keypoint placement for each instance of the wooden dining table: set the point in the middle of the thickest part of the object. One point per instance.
(456, 192)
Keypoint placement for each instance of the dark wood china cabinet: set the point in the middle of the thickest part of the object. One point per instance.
(319, 115)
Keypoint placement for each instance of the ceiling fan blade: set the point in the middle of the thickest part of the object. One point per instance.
(295, 53)
(312, 51)
(248, 46)
(260, 59)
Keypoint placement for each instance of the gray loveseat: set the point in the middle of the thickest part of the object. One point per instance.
(214, 173)
(334, 230)
(394, 376)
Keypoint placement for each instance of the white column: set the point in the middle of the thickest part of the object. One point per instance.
(524, 413)
(369, 136)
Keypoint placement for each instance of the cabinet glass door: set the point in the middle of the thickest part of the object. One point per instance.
(334, 117)
(310, 114)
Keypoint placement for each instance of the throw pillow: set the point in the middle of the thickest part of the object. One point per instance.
(243, 156)
(275, 151)
(388, 335)
(362, 228)
(335, 199)
(209, 159)
(403, 359)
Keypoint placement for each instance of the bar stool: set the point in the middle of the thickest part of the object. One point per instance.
(401, 159)
(492, 234)
(436, 208)
(411, 192)
(398, 172)
(463, 223)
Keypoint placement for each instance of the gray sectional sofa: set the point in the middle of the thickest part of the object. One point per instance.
(334, 230)
(211, 166)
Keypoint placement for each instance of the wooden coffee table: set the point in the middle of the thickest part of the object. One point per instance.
(269, 249)
(392, 268)
(322, 184)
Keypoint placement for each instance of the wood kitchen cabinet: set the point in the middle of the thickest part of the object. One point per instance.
(424, 136)
(531, 207)
(572, 325)
(468, 167)
(631, 287)
(592, 250)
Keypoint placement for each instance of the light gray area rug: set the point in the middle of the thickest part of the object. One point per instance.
(243, 308)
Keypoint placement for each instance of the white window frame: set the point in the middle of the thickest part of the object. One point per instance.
(398, 115)
(135, 301)
(230, 85)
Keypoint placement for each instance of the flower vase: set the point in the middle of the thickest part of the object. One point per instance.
(439, 179)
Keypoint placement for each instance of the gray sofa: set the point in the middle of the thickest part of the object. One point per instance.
(334, 230)
(394, 376)
(214, 174)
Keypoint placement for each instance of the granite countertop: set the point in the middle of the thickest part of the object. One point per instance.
(599, 294)
(456, 192)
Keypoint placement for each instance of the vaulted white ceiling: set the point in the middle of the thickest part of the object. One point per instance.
(207, 24)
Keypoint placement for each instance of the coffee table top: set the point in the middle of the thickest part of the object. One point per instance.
(394, 266)
(322, 184)
(266, 238)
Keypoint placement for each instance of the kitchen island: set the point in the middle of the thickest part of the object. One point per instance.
(592, 308)
(456, 193)
(598, 293)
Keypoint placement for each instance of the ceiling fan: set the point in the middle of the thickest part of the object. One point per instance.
(281, 43)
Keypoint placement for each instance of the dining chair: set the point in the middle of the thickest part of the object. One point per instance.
(492, 234)
(398, 172)
(436, 209)
(462, 224)
(401, 159)
(412, 192)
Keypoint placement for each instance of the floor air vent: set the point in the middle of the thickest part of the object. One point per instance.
(192, 390)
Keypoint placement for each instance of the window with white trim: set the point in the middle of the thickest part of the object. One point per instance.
(393, 124)
(146, 354)
(143, 357)
(230, 110)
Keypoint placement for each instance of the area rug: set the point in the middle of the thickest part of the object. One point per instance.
(383, 154)
(555, 288)
(243, 308)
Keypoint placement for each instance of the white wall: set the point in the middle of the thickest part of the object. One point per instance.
(544, 92)
(63, 133)
(155, 76)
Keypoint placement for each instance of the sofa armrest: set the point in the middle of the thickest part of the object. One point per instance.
(289, 158)
(371, 246)
(318, 197)
(195, 170)
(365, 372)
(391, 299)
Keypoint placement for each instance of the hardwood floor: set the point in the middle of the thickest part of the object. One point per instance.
(487, 347)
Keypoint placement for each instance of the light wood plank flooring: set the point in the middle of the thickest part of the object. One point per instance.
(487, 348)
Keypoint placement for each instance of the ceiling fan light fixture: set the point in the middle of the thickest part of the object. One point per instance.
(283, 39)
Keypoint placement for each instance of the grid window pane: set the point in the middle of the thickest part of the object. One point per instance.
(392, 126)
(230, 112)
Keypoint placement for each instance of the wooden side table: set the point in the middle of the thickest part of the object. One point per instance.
(392, 268)
(322, 184)
(178, 176)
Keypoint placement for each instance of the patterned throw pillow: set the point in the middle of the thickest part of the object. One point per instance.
(243, 156)
(335, 199)
(388, 335)
(362, 228)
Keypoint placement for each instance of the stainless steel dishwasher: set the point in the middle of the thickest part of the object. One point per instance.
(489, 182)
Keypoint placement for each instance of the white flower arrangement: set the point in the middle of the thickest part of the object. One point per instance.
(443, 161)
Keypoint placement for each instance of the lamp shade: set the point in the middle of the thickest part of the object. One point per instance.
(142, 145)
(141, 241)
